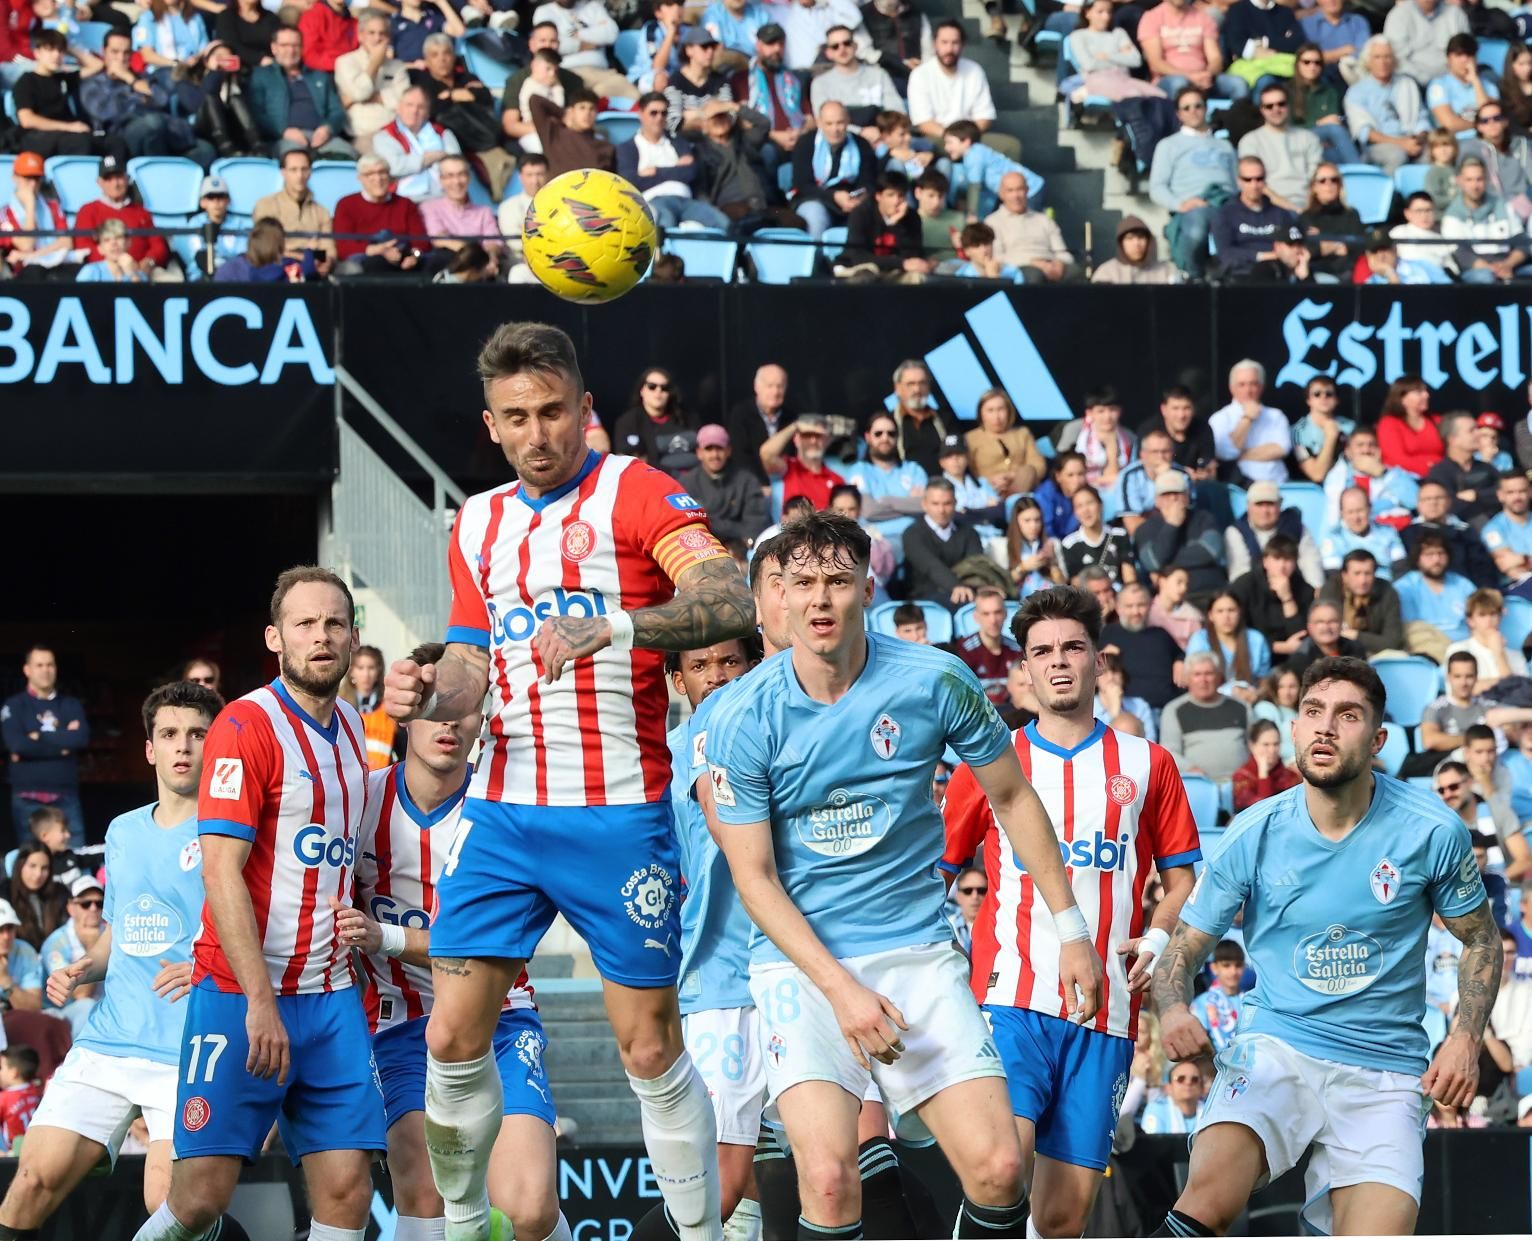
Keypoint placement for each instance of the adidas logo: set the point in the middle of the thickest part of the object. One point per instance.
(1287, 879)
(1006, 350)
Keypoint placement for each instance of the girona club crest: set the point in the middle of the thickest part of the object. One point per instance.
(579, 540)
(1122, 790)
(195, 1114)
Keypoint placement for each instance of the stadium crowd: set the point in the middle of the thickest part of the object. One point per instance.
(867, 129)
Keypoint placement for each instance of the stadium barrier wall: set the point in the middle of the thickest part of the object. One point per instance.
(1476, 1182)
(226, 384)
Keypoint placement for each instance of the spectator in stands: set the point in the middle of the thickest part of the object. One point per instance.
(805, 472)
(21, 968)
(1494, 660)
(1193, 448)
(246, 28)
(989, 651)
(1204, 729)
(1000, 450)
(899, 33)
(543, 74)
(1433, 601)
(941, 226)
(48, 105)
(148, 249)
(1247, 227)
(1170, 611)
(1390, 490)
(1407, 435)
(1113, 701)
(21, 1092)
(735, 507)
(910, 624)
(1191, 169)
(1244, 654)
(1177, 535)
(1383, 109)
(329, 32)
(1369, 606)
(807, 25)
(1454, 97)
(863, 89)
(1274, 598)
(1508, 534)
(1217, 1009)
(892, 489)
(214, 245)
(296, 108)
(453, 217)
(1096, 580)
(1358, 530)
(1253, 32)
(732, 173)
(922, 429)
(1326, 211)
(297, 211)
(1419, 32)
(1507, 156)
(513, 211)
(1257, 436)
(1471, 482)
(1420, 226)
(1028, 240)
(34, 207)
(412, 147)
(1288, 155)
(1488, 428)
(116, 265)
(833, 171)
(662, 166)
(370, 79)
(1066, 475)
(1324, 638)
(45, 731)
(734, 24)
(1031, 554)
(1335, 34)
(415, 22)
(1264, 774)
(1316, 98)
(770, 86)
(968, 892)
(752, 422)
(73, 940)
(1180, 42)
(265, 258)
(847, 501)
(1277, 698)
(1317, 435)
(979, 261)
(936, 546)
(1100, 437)
(1486, 817)
(948, 87)
(586, 30)
(1094, 543)
(40, 902)
(654, 411)
(1486, 225)
(1470, 557)
(1151, 657)
(1135, 261)
(1105, 58)
(1265, 517)
(978, 504)
(133, 112)
(697, 83)
(49, 826)
(378, 212)
(168, 34)
(883, 234)
(978, 170)
(462, 105)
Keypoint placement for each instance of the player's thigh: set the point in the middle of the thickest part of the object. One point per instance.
(53, 1161)
(1266, 1089)
(801, 1038)
(1029, 1052)
(1062, 1197)
(1372, 1209)
(725, 1047)
(647, 1024)
(490, 898)
(1371, 1141)
(620, 889)
(339, 1186)
(409, 1168)
(1228, 1164)
(820, 1118)
(972, 1123)
(1091, 1079)
(221, 1108)
(97, 1097)
(469, 994)
(157, 1174)
(334, 1104)
(523, 1169)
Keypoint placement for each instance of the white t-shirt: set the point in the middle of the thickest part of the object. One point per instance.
(661, 154)
(1270, 427)
(936, 95)
(585, 22)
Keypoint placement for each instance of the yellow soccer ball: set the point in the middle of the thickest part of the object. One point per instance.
(589, 236)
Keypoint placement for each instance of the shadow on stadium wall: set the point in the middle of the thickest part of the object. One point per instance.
(234, 385)
(1476, 1182)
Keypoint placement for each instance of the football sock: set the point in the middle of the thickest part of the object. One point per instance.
(560, 1230)
(828, 1232)
(682, 1140)
(464, 1106)
(416, 1228)
(981, 1221)
(745, 1223)
(1180, 1224)
(922, 1207)
(164, 1226)
(776, 1184)
(885, 1217)
(1032, 1228)
(227, 1229)
(16, 1234)
(329, 1232)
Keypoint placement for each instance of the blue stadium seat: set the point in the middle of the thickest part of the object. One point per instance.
(707, 252)
(74, 177)
(964, 624)
(250, 180)
(331, 181)
(880, 619)
(1239, 502)
(1369, 190)
(9, 102)
(6, 163)
(1517, 622)
(1067, 67)
(776, 499)
(493, 73)
(1411, 682)
(1410, 179)
(1491, 55)
(91, 36)
(832, 241)
(628, 48)
(1309, 500)
(617, 126)
(1045, 447)
(1202, 794)
(781, 254)
(167, 184)
(1396, 748)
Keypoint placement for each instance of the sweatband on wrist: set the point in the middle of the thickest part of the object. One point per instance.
(1155, 941)
(393, 939)
(622, 630)
(428, 706)
(1070, 925)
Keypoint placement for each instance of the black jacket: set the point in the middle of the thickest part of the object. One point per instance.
(736, 508)
(1262, 608)
(804, 188)
(897, 38)
(1469, 556)
(1196, 545)
(747, 432)
(930, 559)
(870, 240)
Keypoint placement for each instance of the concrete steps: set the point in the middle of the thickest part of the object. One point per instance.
(584, 1069)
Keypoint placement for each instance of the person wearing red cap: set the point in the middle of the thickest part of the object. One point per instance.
(736, 507)
(1486, 440)
(33, 207)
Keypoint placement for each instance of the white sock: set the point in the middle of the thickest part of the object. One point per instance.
(745, 1223)
(414, 1228)
(682, 1140)
(1032, 1228)
(329, 1232)
(464, 1104)
(560, 1230)
(164, 1226)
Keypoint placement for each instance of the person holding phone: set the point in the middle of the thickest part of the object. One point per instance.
(833, 173)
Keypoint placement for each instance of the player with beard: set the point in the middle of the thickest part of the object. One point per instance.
(274, 1026)
(1338, 877)
(1120, 810)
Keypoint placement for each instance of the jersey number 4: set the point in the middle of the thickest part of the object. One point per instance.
(215, 1043)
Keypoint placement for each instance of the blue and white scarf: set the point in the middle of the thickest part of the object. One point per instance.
(824, 160)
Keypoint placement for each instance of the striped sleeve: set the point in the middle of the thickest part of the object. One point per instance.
(966, 816)
(1173, 834)
(669, 526)
(468, 621)
(237, 764)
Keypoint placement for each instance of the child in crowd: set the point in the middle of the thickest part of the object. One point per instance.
(940, 225)
(978, 242)
(910, 624)
(896, 144)
(977, 170)
(20, 1093)
(1442, 176)
(50, 828)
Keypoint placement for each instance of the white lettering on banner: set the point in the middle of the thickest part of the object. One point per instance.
(1363, 352)
(294, 342)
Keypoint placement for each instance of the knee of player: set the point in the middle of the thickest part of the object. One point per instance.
(1053, 1218)
(453, 1045)
(533, 1215)
(828, 1182)
(416, 1196)
(996, 1177)
(646, 1054)
(342, 1198)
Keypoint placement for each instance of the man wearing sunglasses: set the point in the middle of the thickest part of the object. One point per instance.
(1188, 166)
(74, 940)
(864, 89)
(1247, 228)
(1290, 155)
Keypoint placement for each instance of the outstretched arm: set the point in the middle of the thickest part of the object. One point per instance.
(1453, 1077)
(447, 690)
(1181, 1034)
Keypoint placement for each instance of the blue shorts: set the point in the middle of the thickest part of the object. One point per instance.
(332, 1099)
(519, 1045)
(1068, 1081)
(611, 870)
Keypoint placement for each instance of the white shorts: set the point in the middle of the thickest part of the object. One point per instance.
(948, 1041)
(98, 1096)
(725, 1045)
(1366, 1126)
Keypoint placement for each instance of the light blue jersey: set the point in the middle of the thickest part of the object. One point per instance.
(715, 931)
(26, 967)
(1337, 930)
(154, 905)
(847, 788)
(1218, 1011)
(1502, 531)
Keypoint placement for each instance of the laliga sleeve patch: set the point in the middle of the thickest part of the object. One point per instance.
(723, 791)
(228, 779)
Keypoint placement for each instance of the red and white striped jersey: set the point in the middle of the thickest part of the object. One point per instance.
(273, 776)
(401, 852)
(616, 536)
(1119, 808)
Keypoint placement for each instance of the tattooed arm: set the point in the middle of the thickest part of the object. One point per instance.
(1453, 1078)
(712, 604)
(449, 689)
(1181, 1034)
